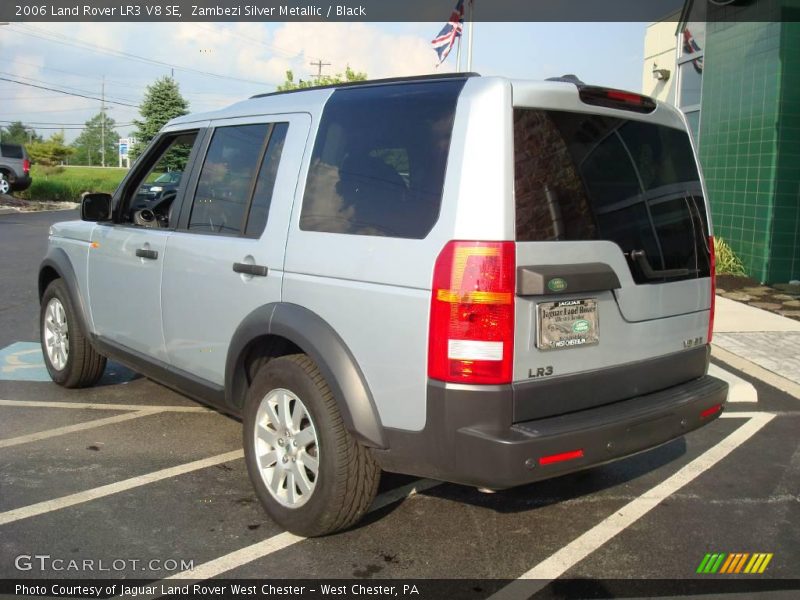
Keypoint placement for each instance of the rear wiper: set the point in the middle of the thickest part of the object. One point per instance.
(650, 273)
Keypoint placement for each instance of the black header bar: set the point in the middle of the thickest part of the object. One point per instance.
(401, 11)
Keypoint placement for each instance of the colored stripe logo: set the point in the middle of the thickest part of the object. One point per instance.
(734, 563)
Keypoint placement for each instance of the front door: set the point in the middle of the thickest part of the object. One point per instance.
(127, 255)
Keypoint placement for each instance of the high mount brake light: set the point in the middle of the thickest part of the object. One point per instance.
(619, 99)
(471, 335)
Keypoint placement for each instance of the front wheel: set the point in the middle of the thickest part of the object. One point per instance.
(311, 476)
(68, 355)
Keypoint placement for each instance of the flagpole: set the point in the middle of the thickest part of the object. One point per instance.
(471, 33)
(458, 55)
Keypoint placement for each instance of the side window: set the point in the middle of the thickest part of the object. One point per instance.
(262, 197)
(226, 180)
(379, 160)
(148, 198)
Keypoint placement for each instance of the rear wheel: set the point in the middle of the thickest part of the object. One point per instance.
(310, 474)
(68, 355)
(5, 185)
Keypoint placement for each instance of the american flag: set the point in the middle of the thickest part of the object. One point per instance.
(446, 39)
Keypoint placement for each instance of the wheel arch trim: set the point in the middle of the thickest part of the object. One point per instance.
(57, 260)
(315, 337)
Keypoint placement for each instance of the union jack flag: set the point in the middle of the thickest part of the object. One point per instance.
(446, 39)
(690, 46)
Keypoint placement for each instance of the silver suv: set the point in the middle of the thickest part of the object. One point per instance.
(485, 281)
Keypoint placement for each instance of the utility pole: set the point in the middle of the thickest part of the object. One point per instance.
(319, 64)
(103, 123)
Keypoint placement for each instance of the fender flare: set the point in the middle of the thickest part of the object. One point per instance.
(58, 260)
(317, 338)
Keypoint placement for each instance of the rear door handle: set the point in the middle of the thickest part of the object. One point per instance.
(151, 254)
(248, 269)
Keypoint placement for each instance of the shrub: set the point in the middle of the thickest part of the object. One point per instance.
(727, 261)
(58, 184)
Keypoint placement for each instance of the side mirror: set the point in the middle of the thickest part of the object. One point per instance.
(96, 207)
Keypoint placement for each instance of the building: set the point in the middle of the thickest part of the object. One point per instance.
(736, 76)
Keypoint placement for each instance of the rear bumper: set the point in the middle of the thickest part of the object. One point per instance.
(461, 446)
(21, 183)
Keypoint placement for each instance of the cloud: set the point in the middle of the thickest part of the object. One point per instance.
(258, 52)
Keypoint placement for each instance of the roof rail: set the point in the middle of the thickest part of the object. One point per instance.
(374, 82)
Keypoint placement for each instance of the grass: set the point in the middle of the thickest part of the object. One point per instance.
(68, 183)
(727, 261)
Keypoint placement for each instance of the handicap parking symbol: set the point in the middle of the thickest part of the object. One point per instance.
(23, 361)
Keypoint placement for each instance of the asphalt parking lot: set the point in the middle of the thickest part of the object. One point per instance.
(150, 483)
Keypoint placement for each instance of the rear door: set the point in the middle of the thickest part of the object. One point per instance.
(612, 236)
(226, 258)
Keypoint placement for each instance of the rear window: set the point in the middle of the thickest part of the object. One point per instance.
(11, 151)
(379, 160)
(593, 177)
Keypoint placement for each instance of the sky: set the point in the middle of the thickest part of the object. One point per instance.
(216, 64)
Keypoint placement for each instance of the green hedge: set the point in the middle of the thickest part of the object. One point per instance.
(66, 184)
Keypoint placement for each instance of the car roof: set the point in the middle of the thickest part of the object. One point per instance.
(303, 100)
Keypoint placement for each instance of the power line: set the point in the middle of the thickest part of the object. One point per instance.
(64, 40)
(60, 85)
(37, 123)
(65, 92)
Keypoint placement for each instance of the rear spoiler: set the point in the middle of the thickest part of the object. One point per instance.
(609, 97)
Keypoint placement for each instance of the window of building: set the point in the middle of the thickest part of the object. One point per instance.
(691, 45)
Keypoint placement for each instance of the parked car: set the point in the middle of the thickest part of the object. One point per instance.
(161, 187)
(15, 167)
(480, 280)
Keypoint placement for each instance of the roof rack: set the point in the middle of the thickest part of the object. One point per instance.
(374, 82)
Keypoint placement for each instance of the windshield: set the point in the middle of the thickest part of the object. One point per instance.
(173, 177)
(592, 177)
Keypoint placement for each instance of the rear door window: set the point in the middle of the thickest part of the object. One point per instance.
(11, 151)
(592, 177)
(235, 186)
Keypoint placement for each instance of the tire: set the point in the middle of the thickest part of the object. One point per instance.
(347, 476)
(5, 184)
(68, 355)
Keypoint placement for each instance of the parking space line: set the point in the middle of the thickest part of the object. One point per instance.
(739, 390)
(47, 506)
(571, 554)
(283, 540)
(50, 433)
(99, 406)
(750, 368)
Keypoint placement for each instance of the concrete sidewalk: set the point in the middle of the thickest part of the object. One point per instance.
(763, 338)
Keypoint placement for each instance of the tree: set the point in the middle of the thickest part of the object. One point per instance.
(19, 133)
(162, 102)
(348, 75)
(50, 153)
(87, 145)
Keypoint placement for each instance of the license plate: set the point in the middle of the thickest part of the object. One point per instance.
(567, 324)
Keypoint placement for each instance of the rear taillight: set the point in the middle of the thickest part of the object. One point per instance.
(26, 165)
(471, 336)
(712, 256)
